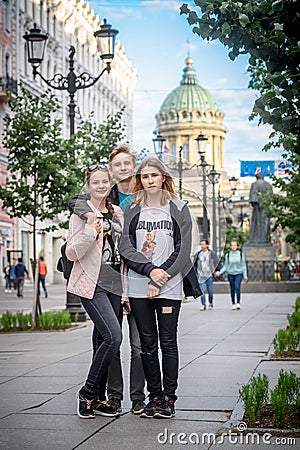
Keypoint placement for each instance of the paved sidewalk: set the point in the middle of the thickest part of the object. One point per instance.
(219, 351)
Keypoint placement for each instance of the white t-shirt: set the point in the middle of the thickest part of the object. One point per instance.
(154, 238)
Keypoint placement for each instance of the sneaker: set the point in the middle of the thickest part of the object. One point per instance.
(103, 408)
(150, 408)
(210, 306)
(138, 406)
(115, 403)
(238, 306)
(46, 294)
(203, 308)
(233, 306)
(84, 407)
(165, 409)
(6, 290)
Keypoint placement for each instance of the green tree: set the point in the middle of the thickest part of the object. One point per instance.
(268, 31)
(40, 184)
(234, 233)
(94, 142)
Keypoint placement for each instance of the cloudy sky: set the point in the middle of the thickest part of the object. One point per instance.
(155, 37)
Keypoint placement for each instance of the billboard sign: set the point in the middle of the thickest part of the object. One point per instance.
(277, 168)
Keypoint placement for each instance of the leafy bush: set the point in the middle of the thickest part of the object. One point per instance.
(46, 321)
(254, 395)
(288, 340)
(285, 397)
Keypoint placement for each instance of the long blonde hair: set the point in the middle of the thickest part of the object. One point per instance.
(140, 195)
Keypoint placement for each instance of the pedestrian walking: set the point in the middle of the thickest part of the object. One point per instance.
(8, 283)
(13, 274)
(96, 278)
(235, 266)
(122, 167)
(21, 272)
(157, 282)
(42, 276)
(205, 264)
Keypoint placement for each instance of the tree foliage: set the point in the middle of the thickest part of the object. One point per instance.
(268, 31)
(40, 182)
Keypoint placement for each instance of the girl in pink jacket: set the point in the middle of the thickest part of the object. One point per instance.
(93, 246)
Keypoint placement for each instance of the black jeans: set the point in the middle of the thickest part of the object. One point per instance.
(158, 317)
(105, 320)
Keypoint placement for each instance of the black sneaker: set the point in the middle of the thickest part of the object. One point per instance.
(165, 409)
(115, 403)
(103, 408)
(84, 407)
(138, 406)
(150, 408)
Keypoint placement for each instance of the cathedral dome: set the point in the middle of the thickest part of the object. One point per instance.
(189, 96)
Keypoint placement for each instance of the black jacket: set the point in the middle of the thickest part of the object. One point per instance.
(79, 206)
(178, 261)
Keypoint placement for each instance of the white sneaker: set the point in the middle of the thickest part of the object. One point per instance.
(233, 306)
(203, 308)
(210, 306)
(6, 290)
(238, 306)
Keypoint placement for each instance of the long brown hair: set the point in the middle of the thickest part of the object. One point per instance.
(90, 171)
(140, 195)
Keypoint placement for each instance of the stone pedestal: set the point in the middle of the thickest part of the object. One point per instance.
(260, 261)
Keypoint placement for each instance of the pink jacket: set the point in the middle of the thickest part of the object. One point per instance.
(85, 250)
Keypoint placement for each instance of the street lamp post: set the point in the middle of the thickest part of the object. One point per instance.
(158, 143)
(202, 171)
(214, 177)
(35, 48)
(221, 199)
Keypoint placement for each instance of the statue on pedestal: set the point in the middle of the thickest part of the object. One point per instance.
(260, 223)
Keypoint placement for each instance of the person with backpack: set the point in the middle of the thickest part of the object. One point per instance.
(20, 272)
(205, 264)
(235, 266)
(160, 275)
(96, 277)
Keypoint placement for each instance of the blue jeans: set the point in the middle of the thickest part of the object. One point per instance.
(42, 280)
(115, 383)
(206, 283)
(153, 321)
(235, 287)
(102, 314)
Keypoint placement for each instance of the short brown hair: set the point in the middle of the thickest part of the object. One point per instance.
(123, 148)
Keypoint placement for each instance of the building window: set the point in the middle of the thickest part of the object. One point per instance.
(7, 15)
(185, 151)
(173, 151)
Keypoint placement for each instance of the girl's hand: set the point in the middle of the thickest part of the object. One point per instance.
(246, 279)
(159, 276)
(152, 291)
(217, 274)
(98, 225)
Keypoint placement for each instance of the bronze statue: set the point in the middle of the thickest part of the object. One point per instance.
(260, 223)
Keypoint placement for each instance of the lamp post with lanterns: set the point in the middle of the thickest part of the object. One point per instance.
(221, 200)
(214, 177)
(35, 49)
(158, 143)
